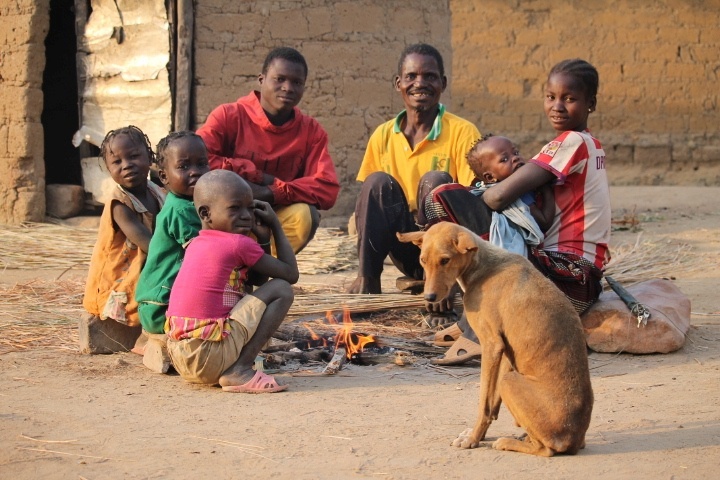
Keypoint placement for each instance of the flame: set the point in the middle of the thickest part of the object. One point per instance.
(314, 336)
(353, 342)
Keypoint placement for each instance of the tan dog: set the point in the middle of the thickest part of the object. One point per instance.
(534, 356)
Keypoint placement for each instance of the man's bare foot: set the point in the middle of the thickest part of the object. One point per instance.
(370, 285)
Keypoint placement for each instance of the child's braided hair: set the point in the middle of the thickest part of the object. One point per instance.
(165, 142)
(581, 70)
(135, 134)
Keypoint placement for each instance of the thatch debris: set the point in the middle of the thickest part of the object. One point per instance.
(43, 313)
(51, 246)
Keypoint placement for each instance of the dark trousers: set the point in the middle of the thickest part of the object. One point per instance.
(382, 211)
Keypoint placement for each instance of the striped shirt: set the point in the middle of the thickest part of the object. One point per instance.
(582, 198)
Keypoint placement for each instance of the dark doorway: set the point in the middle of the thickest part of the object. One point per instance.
(60, 96)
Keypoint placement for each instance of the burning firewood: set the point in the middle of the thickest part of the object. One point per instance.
(345, 343)
(281, 358)
(336, 362)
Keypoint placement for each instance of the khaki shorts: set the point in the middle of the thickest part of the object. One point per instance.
(204, 361)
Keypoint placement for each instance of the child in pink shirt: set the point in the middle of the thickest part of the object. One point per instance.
(215, 326)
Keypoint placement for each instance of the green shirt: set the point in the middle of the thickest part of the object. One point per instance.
(176, 224)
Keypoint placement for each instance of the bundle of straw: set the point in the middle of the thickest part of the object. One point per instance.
(40, 314)
(44, 245)
(49, 246)
(319, 304)
(332, 250)
(634, 263)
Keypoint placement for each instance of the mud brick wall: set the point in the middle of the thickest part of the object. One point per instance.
(657, 114)
(658, 104)
(23, 27)
(352, 49)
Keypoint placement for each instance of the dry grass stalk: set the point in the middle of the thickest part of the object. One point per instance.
(39, 314)
(634, 263)
(320, 303)
(45, 245)
(31, 245)
(332, 250)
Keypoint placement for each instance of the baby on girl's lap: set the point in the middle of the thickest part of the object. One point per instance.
(494, 158)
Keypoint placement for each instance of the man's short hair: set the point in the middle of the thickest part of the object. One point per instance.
(285, 53)
(422, 49)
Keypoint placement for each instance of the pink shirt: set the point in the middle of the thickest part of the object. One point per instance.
(210, 282)
(582, 197)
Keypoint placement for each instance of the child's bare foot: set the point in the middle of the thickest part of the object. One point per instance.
(236, 376)
(259, 383)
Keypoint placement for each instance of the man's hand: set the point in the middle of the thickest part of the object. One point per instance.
(267, 180)
(443, 306)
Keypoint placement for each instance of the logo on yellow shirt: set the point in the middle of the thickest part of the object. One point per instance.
(440, 163)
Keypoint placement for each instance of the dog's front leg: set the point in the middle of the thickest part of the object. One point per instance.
(489, 371)
(505, 366)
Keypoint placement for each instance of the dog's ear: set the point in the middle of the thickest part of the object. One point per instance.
(466, 242)
(414, 237)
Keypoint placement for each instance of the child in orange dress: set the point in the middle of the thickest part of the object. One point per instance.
(126, 225)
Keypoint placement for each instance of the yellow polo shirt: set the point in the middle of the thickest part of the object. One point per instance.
(443, 149)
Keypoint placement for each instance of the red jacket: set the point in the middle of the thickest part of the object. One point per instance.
(239, 137)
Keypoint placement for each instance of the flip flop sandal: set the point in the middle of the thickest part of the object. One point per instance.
(462, 351)
(260, 383)
(447, 336)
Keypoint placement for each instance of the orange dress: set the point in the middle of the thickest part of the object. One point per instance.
(116, 262)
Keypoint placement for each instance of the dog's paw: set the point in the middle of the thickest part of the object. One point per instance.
(466, 440)
(505, 443)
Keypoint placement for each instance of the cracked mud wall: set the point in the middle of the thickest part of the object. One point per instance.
(352, 50)
(23, 27)
(659, 62)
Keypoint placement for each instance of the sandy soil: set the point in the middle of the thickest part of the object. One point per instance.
(64, 415)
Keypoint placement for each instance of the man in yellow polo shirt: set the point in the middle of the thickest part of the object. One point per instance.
(406, 157)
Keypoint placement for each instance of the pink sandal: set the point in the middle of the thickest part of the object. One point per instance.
(260, 383)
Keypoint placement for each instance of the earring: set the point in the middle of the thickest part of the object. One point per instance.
(590, 110)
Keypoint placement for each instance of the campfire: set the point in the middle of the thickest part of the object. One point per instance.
(354, 343)
(333, 339)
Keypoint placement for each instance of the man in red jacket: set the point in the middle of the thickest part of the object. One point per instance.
(281, 152)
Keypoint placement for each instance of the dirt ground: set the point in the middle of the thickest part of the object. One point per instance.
(65, 415)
